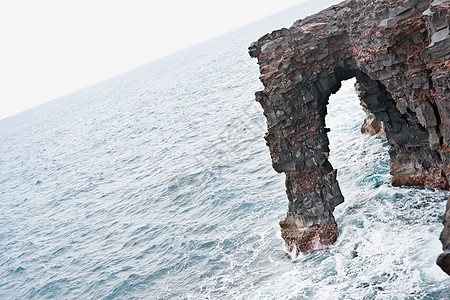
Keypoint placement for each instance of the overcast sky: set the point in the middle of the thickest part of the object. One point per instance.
(49, 48)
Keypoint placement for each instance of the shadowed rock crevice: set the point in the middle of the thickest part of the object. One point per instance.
(398, 51)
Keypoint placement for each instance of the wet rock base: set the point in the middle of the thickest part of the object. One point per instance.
(300, 237)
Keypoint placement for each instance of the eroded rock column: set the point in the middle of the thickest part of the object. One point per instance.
(298, 142)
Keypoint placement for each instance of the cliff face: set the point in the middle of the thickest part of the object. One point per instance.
(399, 52)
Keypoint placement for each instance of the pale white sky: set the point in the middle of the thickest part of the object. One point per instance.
(49, 48)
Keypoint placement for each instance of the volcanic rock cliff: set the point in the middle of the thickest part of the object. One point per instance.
(399, 52)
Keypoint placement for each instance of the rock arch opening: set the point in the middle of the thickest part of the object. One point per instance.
(311, 184)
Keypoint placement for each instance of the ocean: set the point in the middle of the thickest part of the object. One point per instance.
(157, 184)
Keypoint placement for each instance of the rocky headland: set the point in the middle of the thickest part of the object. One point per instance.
(399, 53)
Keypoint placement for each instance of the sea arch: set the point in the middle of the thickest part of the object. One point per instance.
(389, 48)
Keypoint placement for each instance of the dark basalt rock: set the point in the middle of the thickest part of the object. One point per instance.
(399, 53)
(444, 259)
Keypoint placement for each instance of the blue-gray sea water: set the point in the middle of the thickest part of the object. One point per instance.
(157, 184)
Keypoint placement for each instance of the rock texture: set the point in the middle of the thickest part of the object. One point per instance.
(444, 259)
(398, 50)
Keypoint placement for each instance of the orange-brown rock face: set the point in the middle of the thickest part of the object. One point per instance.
(302, 238)
(399, 53)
